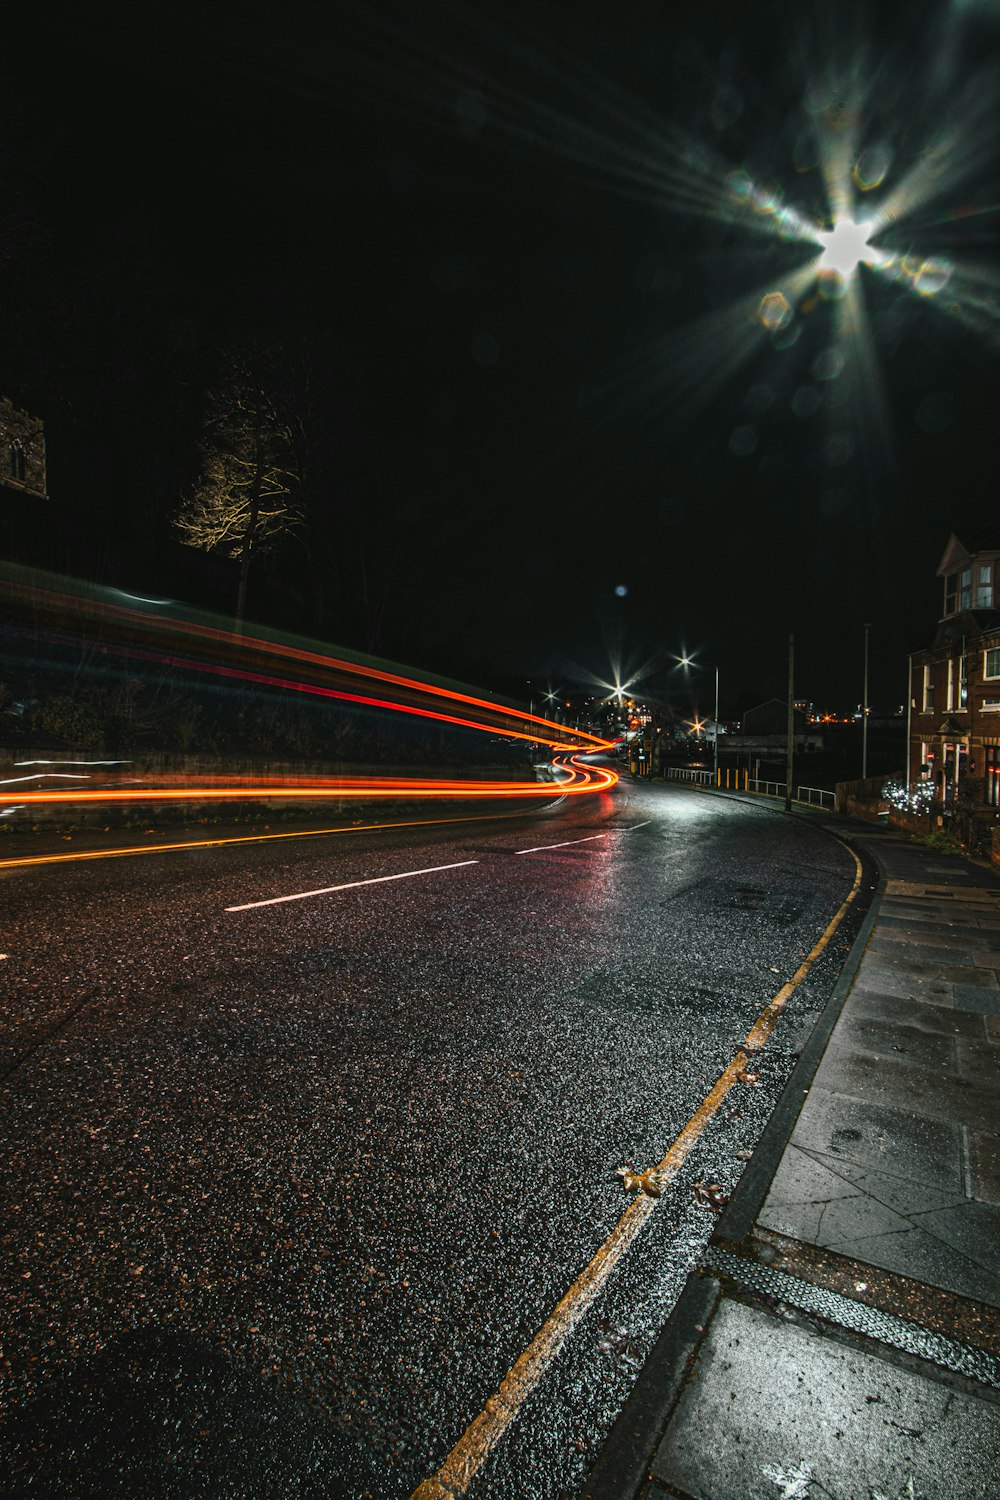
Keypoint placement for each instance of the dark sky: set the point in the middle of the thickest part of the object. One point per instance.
(522, 249)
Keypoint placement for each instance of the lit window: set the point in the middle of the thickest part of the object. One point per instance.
(991, 664)
(949, 701)
(984, 588)
(991, 705)
(963, 682)
(992, 768)
(929, 688)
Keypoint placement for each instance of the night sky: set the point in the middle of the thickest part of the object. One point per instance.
(517, 255)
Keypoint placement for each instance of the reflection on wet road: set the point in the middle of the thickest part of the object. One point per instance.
(306, 1141)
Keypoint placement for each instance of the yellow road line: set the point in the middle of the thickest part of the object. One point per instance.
(249, 838)
(485, 1431)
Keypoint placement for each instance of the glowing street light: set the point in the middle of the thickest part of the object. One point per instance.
(686, 661)
(846, 245)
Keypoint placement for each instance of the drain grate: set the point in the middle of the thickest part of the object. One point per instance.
(886, 1328)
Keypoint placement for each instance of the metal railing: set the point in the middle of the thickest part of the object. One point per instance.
(682, 773)
(816, 796)
(812, 796)
(766, 788)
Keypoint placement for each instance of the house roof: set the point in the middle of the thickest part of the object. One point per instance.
(957, 553)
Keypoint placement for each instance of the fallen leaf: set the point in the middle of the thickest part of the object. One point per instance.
(646, 1182)
(710, 1195)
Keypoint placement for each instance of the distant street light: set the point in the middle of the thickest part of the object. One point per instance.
(686, 661)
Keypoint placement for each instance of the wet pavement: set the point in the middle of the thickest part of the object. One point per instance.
(289, 1189)
(840, 1337)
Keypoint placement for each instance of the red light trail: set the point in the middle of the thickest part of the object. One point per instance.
(108, 628)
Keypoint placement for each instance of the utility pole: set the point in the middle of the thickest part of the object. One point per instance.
(790, 748)
(909, 718)
(715, 753)
(864, 712)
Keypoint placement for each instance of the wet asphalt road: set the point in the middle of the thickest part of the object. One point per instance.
(287, 1190)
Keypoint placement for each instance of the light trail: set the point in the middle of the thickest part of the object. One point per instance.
(91, 605)
(351, 885)
(580, 779)
(120, 627)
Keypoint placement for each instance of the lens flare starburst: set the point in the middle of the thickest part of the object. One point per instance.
(845, 246)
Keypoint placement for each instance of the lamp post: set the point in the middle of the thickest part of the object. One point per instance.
(864, 714)
(686, 661)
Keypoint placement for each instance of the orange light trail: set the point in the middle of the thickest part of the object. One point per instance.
(109, 627)
(580, 778)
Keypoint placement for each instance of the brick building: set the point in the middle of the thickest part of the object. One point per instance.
(22, 451)
(954, 736)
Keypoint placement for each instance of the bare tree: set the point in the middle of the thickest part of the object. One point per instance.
(246, 499)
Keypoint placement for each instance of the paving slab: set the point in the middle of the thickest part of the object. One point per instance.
(973, 1229)
(979, 1060)
(918, 1015)
(927, 924)
(896, 1039)
(924, 1092)
(882, 1138)
(974, 998)
(773, 1408)
(906, 1195)
(941, 951)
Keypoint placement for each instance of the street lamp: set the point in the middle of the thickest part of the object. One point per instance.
(686, 661)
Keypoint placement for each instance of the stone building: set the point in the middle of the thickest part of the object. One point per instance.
(954, 696)
(22, 451)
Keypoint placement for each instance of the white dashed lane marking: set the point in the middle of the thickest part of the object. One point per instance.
(351, 885)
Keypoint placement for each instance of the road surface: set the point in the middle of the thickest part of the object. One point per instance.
(304, 1142)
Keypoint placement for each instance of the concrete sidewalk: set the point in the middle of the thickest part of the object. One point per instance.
(841, 1338)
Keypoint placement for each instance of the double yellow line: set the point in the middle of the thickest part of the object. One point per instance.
(485, 1431)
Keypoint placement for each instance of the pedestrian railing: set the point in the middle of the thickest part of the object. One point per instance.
(766, 788)
(682, 773)
(816, 796)
(732, 780)
(812, 796)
